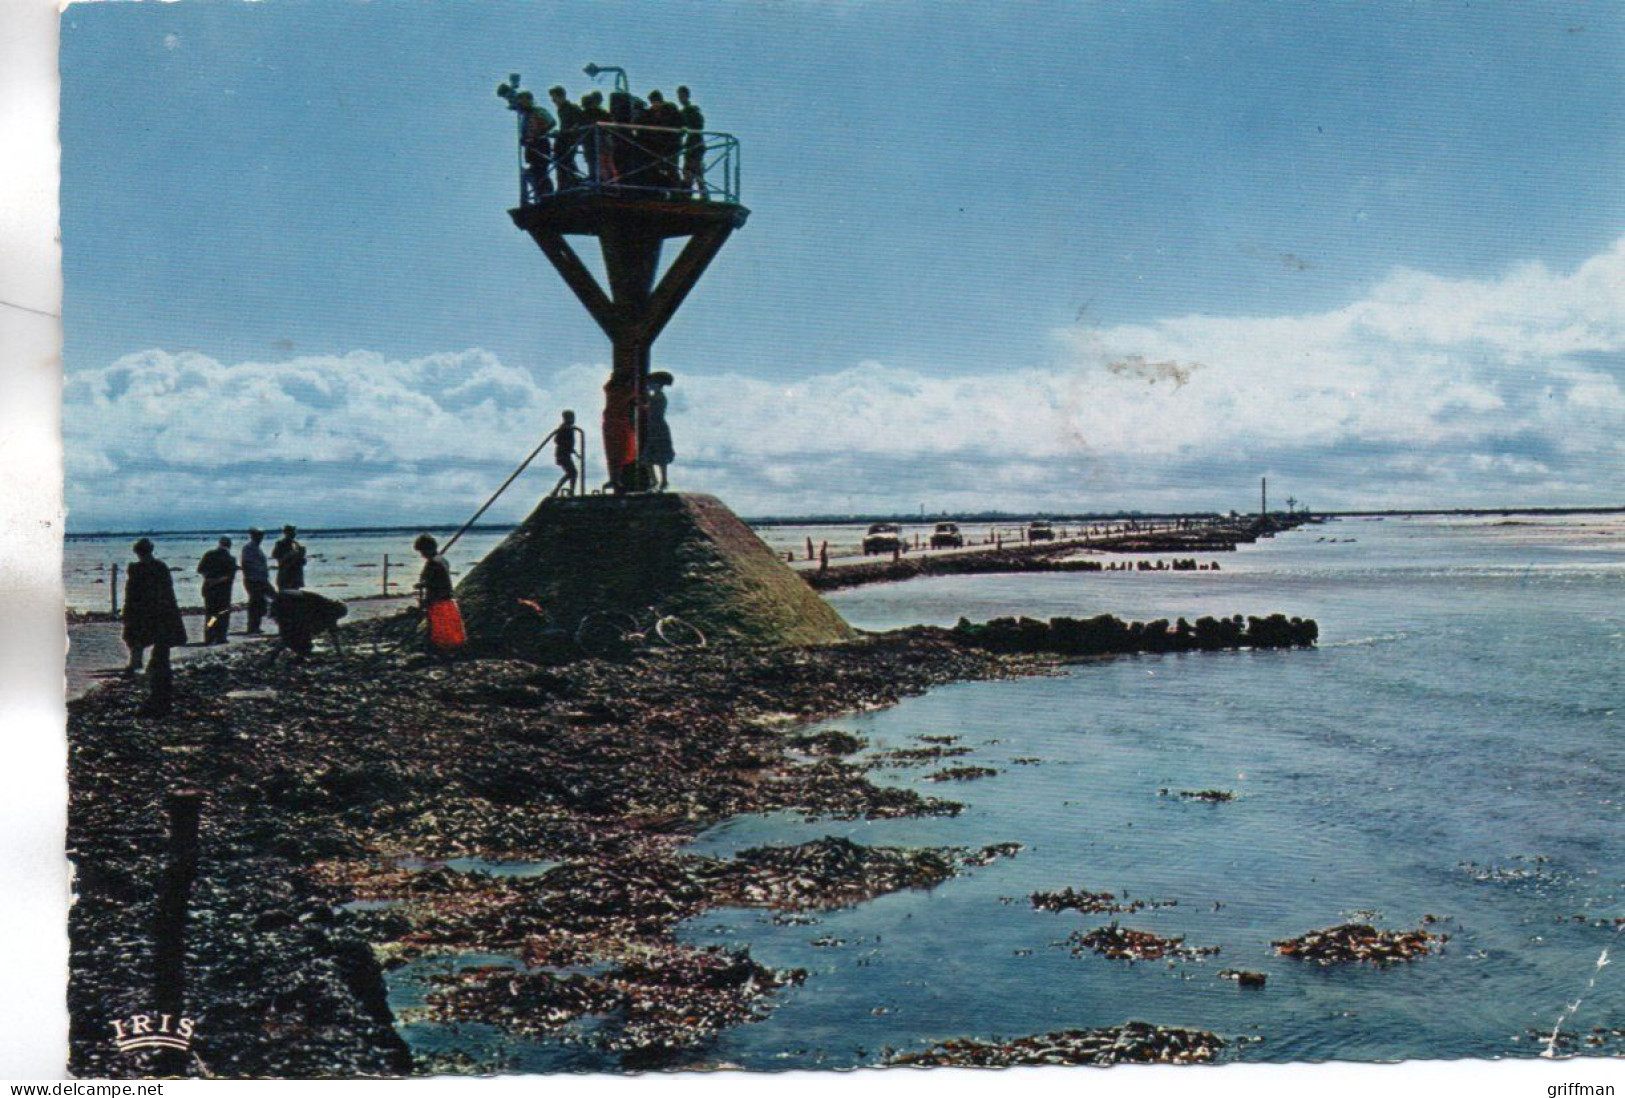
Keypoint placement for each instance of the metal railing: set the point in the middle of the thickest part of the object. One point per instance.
(631, 159)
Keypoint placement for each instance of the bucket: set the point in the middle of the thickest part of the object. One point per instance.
(446, 625)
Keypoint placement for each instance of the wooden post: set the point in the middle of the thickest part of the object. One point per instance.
(809, 547)
(112, 579)
(386, 573)
(823, 557)
(169, 939)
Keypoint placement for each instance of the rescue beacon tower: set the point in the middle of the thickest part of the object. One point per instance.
(634, 188)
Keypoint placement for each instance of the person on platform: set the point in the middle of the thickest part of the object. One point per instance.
(626, 141)
(218, 569)
(290, 561)
(664, 140)
(567, 140)
(657, 447)
(152, 619)
(256, 579)
(564, 454)
(595, 143)
(693, 143)
(536, 125)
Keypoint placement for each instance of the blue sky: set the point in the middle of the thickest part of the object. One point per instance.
(977, 232)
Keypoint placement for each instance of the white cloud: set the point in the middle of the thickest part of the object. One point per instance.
(1427, 390)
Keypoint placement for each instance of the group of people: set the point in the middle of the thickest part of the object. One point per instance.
(646, 143)
(152, 616)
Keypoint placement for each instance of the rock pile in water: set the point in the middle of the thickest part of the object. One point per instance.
(1353, 942)
(1130, 1043)
(1107, 635)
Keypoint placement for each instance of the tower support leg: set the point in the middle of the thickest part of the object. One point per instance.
(622, 407)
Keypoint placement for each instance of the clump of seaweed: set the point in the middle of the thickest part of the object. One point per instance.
(1359, 942)
(1130, 1043)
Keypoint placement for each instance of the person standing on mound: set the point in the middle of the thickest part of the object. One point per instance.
(657, 446)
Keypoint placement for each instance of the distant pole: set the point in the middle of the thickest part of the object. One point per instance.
(386, 573)
(809, 547)
(823, 556)
(112, 573)
(1263, 496)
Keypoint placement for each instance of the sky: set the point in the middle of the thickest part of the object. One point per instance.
(1070, 256)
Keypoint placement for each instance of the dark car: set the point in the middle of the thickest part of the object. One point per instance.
(1040, 531)
(883, 537)
(947, 536)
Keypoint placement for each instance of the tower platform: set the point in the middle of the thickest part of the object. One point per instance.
(586, 211)
(684, 553)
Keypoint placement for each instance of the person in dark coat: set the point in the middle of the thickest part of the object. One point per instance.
(595, 145)
(657, 447)
(290, 561)
(300, 615)
(152, 619)
(567, 140)
(664, 139)
(218, 569)
(693, 143)
(256, 579)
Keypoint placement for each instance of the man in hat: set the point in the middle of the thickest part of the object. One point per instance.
(218, 569)
(152, 619)
(290, 561)
(256, 580)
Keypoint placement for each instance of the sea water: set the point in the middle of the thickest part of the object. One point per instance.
(1452, 748)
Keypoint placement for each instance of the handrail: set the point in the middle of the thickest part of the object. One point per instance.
(620, 158)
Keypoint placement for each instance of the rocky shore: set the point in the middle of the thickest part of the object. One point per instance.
(356, 778)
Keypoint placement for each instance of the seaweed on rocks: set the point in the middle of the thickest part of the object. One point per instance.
(1359, 942)
(830, 742)
(959, 774)
(1130, 1043)
(1120, 943)
(1211, 796)
(1090, 903)
(655, 1007)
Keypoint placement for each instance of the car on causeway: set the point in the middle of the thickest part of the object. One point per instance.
(1040, 531)
(883, 537)
(947, 536)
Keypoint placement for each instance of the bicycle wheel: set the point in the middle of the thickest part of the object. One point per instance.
(526, 637)
(390, 638)
(677, 633)
(602, 635)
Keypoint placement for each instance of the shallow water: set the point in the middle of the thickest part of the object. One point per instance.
(1453, 748)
